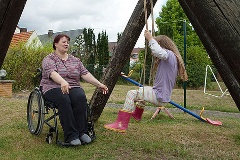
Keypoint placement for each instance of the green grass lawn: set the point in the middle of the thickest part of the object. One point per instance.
(184, 137)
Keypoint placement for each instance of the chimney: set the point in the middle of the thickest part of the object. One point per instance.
(50, 33)
(23, 30)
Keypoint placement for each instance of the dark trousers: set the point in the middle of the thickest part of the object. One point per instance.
(72, 109)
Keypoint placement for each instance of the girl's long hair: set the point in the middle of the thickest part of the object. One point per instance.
(167, 43)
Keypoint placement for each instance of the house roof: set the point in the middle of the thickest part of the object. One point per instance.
(48, 38)
(19, 38)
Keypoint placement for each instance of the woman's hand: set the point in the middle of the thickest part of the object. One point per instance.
(90, 79)
(104, 88)
(65, 87)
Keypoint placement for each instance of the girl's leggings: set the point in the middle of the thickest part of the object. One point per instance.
(134, 95)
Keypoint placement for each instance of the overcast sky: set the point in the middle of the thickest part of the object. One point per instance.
(64, 15)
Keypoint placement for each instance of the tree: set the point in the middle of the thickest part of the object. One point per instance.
(78, 46)
(85, 45)
(89, 46)
(85, 48)
(197, 60)
(102, 53)
(170, 23)
(102, 48)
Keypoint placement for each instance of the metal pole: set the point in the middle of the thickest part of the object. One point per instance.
(185, 47)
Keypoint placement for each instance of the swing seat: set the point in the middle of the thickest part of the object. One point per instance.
(216, 123)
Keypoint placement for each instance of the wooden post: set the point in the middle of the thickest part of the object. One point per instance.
(10, 12)
(217, 24)
(120, 56)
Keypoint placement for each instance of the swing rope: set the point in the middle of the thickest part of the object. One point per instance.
(142, 77)
(143, 73)
(151, 77)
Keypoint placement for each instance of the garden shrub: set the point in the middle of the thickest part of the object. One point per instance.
(21, 64)
(197, 60)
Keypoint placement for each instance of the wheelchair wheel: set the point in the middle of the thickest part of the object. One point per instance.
(35, 112)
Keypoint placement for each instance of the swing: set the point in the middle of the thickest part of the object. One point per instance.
(141, 102)
(162, 107)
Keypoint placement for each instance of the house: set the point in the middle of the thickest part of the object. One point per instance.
(48, 37)
(134, 55)
(112, 46)
(22, 36)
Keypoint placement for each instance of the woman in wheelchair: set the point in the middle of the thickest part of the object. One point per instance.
(61, 73)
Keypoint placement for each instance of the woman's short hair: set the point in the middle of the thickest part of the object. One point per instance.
(57, 39)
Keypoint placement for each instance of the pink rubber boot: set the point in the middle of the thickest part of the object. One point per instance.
(121, 124)
(137, 113)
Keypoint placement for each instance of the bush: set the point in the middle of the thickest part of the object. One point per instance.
(21, 64)
(197, 59)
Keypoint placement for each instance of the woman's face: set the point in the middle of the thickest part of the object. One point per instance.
(62, 45)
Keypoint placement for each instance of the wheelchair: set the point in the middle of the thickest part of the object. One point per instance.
(38, 108)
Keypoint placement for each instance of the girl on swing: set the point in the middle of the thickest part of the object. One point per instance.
(169, 64)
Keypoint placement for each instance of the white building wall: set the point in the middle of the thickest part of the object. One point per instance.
(34, 41)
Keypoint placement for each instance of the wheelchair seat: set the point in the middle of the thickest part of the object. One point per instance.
(38, 109)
